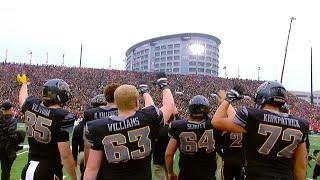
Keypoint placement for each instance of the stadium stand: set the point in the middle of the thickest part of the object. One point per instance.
(88, 82)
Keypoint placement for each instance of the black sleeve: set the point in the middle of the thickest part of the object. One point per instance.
(91, 136)
(28, 103)
(66, 127)
(305, 137)
(75, 142)
(154, 112)
(173, 130)
(242, 117)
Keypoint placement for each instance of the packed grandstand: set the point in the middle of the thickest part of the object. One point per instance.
(85, 83)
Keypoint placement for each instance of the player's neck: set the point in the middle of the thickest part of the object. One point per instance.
(271, 108)
(109, 104)
(126, 113)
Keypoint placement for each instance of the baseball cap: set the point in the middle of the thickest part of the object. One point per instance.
(6, 105)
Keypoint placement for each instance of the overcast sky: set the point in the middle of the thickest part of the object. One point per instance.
(253, 33)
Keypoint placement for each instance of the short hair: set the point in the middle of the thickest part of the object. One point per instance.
(109, 92)
(126, 96)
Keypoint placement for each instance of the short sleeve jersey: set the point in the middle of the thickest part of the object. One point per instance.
(45, 127)
(270, 140)
(126, 142)
(196, 142)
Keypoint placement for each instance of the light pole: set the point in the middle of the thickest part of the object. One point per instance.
(259, 73)
(285, 52)
(196, 49)
(6, 58)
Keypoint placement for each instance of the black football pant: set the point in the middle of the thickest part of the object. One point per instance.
(41, 170)
(5, 168)
(316, 171)
(230, 172)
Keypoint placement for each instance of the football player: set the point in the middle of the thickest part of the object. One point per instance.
(229, 147)
(103, 107)
(127, 140)
(195, 138)
(274, 141)
(48, 127)
(160, 146)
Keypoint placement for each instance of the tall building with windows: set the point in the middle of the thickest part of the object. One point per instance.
(187, 53)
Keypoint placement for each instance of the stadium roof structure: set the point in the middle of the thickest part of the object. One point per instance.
(183, 36)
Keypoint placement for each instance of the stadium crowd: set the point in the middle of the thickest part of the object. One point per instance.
(85, 83)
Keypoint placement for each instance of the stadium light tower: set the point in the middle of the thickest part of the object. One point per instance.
(196, 49)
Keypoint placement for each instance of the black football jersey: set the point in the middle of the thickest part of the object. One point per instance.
(127, 142)
(196, 142)
(45, 127)
(270, 140)
(230, 146)
(99, 113)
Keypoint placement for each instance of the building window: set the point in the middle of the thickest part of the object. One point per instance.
(169, 64)
(200, 69)
(208, 58)
(200, 63)
(157, 48)
(201, 58)
(162, 64)
(192, 69)
(208, 71)
(163, 47)
(146, 56)
(176, 57)
(157, 54)
(162, 70)
(157, 59)
(170, 46)
(169, 58)
(192, 57)
(163, 59)
(175, 69)
(169, 52)
(163, 53)
(176, 51)
(142, 57)
(176, 63)
(169, 70)
(156, 65)
(192, 63)
(176, 45)
(146, 51)
(209, 65)
(142, 52)
(209, 46)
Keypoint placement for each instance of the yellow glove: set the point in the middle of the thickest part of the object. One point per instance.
(22, 79)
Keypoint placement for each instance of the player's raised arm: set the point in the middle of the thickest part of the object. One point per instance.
(167, 98)
(143, 89)
(22, 79)
(223, 118)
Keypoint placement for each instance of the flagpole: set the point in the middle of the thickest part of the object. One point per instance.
(30, 57)
(63, 59)
(80, 54)
(6, 58)
(311, 94)
(285, 52)
(47, 60)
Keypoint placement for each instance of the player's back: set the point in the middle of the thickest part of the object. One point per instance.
(99, 113)
(270, 141)
(126, 142)
(197, 148)
(44, 128)
(231, 144)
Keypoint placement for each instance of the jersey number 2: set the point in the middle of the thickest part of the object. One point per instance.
(116, 151)
(287, 135)
(36, 129)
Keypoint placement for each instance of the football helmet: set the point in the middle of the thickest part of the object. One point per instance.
(98, 100)
(199, 106)
(56, 91)
(270, 92)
